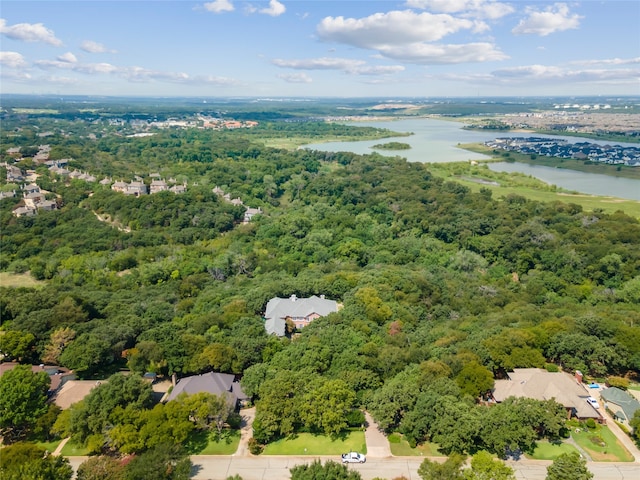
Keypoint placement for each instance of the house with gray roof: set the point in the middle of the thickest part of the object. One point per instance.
(301, 311)
(539, 384)
(212, 382)
(621, 404)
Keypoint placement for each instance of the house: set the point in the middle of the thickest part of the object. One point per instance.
(621, 404)
(58, 375)
(212, 382)
(250, 212)
(136, 188)
(538, 384)
(158, 186)
(300, 311)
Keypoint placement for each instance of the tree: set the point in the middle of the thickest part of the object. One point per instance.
(635, 424)
(164, 462)
(328, 406)
(17, 344)
(450, 469)
(475, 379)
(317, 471)
(569, 466)
(21, 461)
(23, 399)
(484, 467)
(101, 468)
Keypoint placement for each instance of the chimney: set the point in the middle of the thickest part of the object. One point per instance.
(293, 298)
(322, 297)
(578, 376)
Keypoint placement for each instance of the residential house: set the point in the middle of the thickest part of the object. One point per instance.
(300, 311)
(57, 375)
(136, 188)
(119, 186)
(249, 213)
(540, 384)
(212, 382)
(177, 189)
(620, 403)
(158, 186)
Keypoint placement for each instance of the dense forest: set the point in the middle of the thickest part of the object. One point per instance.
(443, 290)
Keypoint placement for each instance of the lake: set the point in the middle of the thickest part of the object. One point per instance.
(435, 141)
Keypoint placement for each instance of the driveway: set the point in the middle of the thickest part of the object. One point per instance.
(377, 443)
(246, 431)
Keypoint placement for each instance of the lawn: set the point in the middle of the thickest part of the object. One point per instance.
(401, 448)
(49, 446)
(8, 279)
(601, 444)
(551, 451)
(205, 443)
(309, 444)
(74, 450)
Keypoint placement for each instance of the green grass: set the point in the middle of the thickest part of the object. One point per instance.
(8, 279)
(401, 448)
(601, 444)
(205, 443)
(49, 446)
(309, 444)
(528, 187)
(74, 450)
(550, 451)
(634, 387)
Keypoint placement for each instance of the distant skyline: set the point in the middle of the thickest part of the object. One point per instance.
(320, 48)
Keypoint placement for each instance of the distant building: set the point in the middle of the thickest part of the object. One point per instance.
(300, 311)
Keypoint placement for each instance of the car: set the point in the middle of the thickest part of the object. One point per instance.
(593, 402)
(353, 457)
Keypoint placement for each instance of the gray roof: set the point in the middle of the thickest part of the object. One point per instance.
(542, 385)
(212, 382)
(278, 309)
(622, 399)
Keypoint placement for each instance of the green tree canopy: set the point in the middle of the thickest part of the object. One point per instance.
(569, 466)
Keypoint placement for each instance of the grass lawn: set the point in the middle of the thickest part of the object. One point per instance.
(8, 279)
(634, 387)
(49, 446)
(74, 450)
(204, 443)
(602, 445)
(309, 444)
(551, 451)
(401, 448)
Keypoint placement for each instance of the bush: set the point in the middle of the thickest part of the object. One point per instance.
(255, 447)
(619, 382)
(551, 367)
(590, 423)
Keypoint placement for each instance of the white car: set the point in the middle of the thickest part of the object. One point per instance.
(593, 402)
(353, 457)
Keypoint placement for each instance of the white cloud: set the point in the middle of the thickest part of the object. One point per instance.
(12, 60)
(489, 9)
(68, 57)
(609, 61)
(295, 77)
(29, 32)
(95, 47)
(354, 67)
(132, 74)
(219, 6)
(392, 28)
(432, 54)
(275, 8)
(554, 18)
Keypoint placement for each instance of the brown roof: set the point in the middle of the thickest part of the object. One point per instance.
(542, 385)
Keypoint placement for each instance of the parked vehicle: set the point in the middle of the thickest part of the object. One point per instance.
(353, 457)
(593, 402)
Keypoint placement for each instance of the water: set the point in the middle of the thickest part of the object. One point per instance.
(435, 141)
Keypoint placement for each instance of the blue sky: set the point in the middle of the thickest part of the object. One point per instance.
(280, 48)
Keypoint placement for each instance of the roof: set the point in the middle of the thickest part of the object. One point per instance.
(278, 309)
(539, 384)
(622, 399)
(212, 382)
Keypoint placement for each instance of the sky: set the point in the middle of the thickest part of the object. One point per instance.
(320, 48)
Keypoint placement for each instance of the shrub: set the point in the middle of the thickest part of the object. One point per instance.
(394, 438)
(551, 367)
(619, 382)
(591, 423)
(255, 447)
